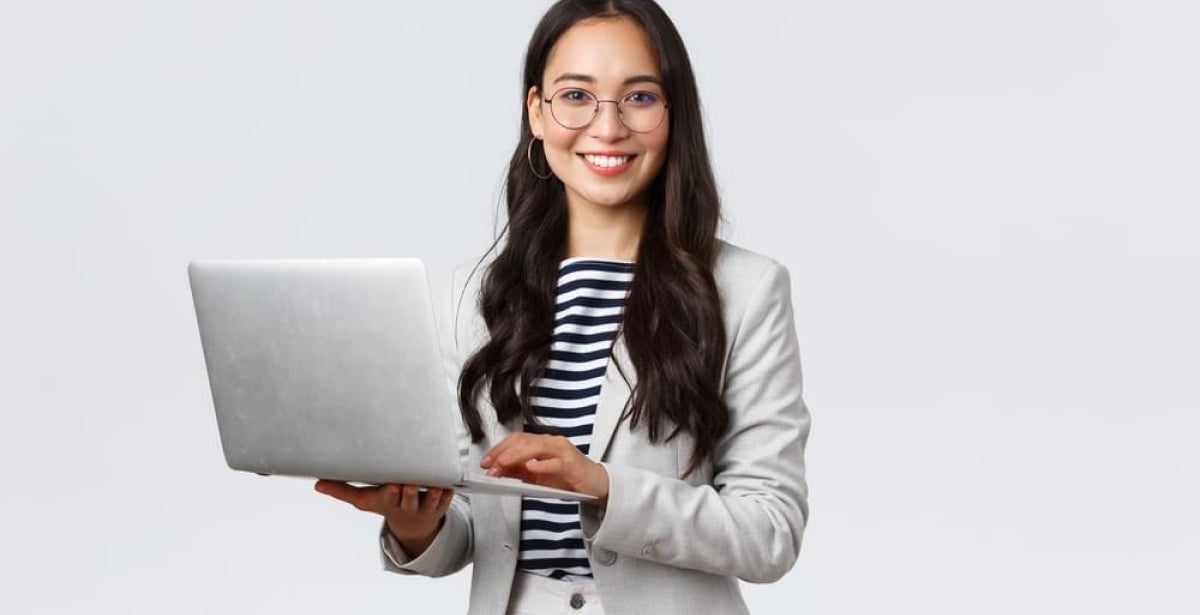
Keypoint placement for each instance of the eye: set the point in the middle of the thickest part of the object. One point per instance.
(574, 96)
(642, 99)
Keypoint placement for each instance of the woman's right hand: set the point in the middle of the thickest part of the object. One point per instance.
(413, 518)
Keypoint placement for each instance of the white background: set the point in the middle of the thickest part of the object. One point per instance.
(988, 210)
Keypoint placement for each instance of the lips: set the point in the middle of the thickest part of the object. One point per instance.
(607, 163)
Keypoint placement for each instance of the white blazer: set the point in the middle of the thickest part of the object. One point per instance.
(662, 544)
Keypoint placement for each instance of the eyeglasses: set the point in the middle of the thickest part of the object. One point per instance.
(574, 108)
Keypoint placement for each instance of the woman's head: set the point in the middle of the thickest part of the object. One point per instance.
(628, 51)
(620, 48)
(605, 153)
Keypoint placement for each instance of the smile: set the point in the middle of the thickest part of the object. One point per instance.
(607, 165)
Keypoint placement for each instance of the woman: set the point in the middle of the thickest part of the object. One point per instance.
(614, 347)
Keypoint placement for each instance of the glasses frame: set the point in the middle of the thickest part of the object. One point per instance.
(596, 109)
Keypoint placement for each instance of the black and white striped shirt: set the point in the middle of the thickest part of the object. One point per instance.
(590, 298)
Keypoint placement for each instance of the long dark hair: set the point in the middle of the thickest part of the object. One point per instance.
(672, 318)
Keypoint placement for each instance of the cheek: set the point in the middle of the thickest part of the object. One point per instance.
(558, 139)
(656, 148)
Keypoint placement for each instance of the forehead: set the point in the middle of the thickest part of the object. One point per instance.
(609, 50)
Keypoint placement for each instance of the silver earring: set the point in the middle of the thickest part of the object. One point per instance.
(529, 157)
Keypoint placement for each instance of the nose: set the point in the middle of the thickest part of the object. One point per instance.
(607, 124)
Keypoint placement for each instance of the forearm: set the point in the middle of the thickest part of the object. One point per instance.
(753, 535)
(414, 547)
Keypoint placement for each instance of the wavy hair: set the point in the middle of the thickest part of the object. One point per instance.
(672, 323)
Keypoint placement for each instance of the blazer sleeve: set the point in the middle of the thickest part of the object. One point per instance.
(453, 547)
(749, 521)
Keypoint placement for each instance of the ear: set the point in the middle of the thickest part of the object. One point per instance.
(533, 103)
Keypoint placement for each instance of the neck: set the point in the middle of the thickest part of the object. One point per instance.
(604, 232)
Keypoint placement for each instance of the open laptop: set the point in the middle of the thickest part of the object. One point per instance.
(332, 369)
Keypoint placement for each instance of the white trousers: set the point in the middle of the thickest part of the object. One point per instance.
(537, 595)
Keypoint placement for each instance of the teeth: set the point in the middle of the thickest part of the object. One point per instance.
(606, 161)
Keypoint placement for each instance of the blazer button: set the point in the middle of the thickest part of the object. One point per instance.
(577, 601)
(604, 557)
(648, 548)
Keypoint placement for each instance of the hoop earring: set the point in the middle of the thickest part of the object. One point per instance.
(529, 157)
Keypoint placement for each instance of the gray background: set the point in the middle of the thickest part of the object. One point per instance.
(988, 209)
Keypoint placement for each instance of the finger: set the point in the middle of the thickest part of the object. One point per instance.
(444, 501)
(430, 502)
(355, 496)
(389, 497)
(508, 442)
(546, 467)
(410, 498)
(537, 447)
(324, 485)
(515, 447)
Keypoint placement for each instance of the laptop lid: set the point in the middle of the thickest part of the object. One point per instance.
(327, 368)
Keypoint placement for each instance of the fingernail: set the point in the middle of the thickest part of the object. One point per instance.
(486, 461)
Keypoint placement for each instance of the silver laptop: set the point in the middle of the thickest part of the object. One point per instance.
(332, 369)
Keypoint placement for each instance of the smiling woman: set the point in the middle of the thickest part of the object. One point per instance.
(615, 347)
(606, 150)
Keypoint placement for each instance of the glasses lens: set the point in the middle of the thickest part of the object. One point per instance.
(573, 108)
(643, 111)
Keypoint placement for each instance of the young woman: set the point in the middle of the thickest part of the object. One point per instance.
(614, 347)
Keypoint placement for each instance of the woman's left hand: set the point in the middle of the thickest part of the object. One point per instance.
(547, 460)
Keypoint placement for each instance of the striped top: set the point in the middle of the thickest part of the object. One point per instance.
(590, 298)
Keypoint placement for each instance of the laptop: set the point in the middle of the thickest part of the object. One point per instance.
(332, 369)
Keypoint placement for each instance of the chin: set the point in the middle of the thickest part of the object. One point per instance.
(607, 201)
(607, 196)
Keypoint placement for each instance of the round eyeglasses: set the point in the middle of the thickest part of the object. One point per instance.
(574, 108)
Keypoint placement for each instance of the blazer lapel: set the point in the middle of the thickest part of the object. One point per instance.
(614, 395)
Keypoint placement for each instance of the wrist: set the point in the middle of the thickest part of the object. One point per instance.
(415, 546)
(599, 483)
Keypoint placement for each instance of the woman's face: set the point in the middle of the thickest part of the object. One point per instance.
(611, 58)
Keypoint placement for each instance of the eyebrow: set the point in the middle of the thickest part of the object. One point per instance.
(591, 79)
